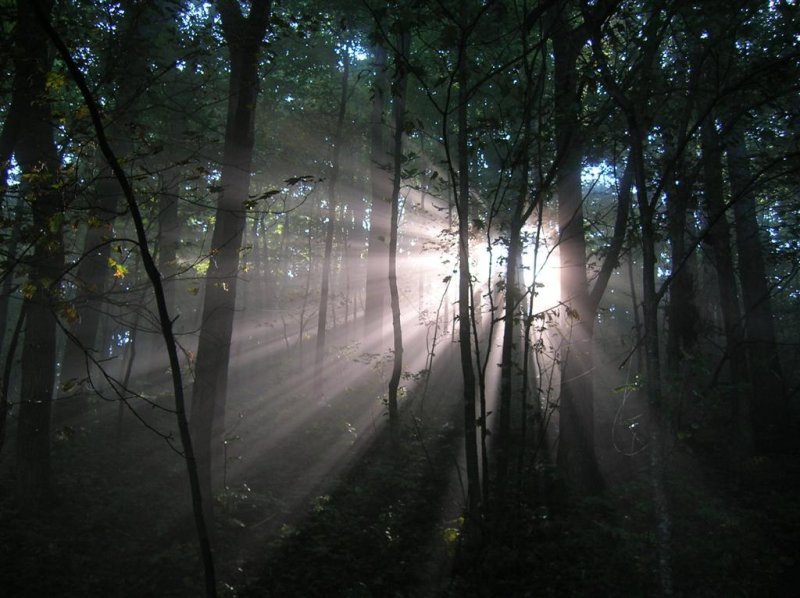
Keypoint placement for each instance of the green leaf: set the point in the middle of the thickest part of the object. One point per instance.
(55, 222)
(120, 270)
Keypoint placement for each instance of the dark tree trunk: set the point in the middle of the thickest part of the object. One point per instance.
(5, 380)
(399, 89)
(661, 428)
(244, 37)
(682, 311)
(718, 244)
(7, 287)
(576, 455)
(633, 104)
(512, 298)
(464, 291)
(768, 388)
(39, 163)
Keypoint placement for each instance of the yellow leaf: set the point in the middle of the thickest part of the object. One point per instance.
(120, 270)
(54, 81)
(28, 290)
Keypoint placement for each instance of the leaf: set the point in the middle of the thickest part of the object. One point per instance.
(55, 221)
(28, 290)
(94, 222)
(120, 270)
(451, 534)
(69, 313)
(54, 81)
(70, 384)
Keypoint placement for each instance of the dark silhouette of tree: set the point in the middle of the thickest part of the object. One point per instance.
(36, 154)
(245, 37)
(154, 276)
(399, 110)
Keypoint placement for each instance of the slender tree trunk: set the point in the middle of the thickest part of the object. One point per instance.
(718, 244)
(8, 139)
(322, 321)
(682, 310)
(244, 36)
(661, 430)
(377, 253)
(512, 298)
(8, 276)
(5, 381)
(464, 290)
(399, 128)
(633, 104)
(513, 294)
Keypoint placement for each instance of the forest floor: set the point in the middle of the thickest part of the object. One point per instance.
(322, 501)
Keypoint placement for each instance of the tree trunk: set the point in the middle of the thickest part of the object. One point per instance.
(322, 321)
(718, 244)
(661, 429)
(512, 297)
(38, 160)
(682, 311)
(377, 252)
(464, 292)
(576, 456)
(768, 399)
(5, 380)
(7, 287)
(244, 37)
(399, 127)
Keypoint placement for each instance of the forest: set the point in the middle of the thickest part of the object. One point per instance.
(476, 298)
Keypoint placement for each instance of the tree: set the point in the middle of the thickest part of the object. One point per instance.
(377, 256)
(36, 154)
(633, 103)
(158, 290)
(330, 228)
(244, 36)
(399, 93)
(466, 23)
(142, 23)
(576, 405)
